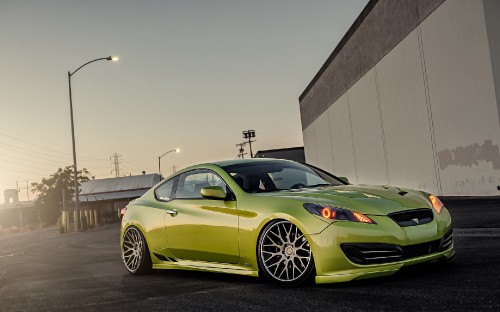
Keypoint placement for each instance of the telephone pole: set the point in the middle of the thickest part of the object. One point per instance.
(249, 134)
(241, 150)
(27, 191)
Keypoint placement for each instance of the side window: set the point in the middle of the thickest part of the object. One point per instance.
(164, 191)
(191, 183)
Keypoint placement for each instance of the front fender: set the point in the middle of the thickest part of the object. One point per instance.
(265, 209)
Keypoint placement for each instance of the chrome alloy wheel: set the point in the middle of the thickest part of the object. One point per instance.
(285, 253)
(133, 249)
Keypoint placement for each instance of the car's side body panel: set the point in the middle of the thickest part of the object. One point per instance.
(203, 230)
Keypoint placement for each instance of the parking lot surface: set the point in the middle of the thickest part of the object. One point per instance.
(47, 271)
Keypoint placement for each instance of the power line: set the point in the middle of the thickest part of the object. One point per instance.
(27, 152)
(30, 143)
(49, 149)
(50, 163)
(23, 165)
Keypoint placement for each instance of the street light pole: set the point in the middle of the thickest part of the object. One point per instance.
(75, 170)
(177, 150)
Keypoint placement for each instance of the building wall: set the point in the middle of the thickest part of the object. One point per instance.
(492, 13)
(426, 114)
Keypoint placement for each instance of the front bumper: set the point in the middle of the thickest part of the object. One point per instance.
(379, 269)
(415, 244)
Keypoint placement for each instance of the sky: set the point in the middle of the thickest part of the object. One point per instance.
(191, 75)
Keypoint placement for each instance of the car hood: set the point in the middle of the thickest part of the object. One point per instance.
(367, 199)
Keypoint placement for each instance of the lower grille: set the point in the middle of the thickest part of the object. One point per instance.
(423, 249)
(372, 253)
(375, 253)
(446, 241)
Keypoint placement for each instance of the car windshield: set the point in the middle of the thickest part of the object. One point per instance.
(278, 175)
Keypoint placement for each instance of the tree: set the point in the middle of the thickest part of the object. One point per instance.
(50, 191)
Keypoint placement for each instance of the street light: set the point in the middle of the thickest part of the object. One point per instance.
(75, 170)
(177, 150)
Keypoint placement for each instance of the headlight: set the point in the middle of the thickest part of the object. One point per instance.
(337, 213)
(436, 203)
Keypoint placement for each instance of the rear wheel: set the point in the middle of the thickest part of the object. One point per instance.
(284, 254)
(135, 252)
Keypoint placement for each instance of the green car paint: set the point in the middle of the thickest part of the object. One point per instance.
(222, 235)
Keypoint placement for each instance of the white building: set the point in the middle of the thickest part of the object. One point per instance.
(411, 97)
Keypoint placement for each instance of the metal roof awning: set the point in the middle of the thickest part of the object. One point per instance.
(111, 195)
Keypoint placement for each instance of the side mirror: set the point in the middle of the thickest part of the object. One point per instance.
(344, 179)
(213, 192)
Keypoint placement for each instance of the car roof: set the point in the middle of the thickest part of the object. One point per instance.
(224, 163)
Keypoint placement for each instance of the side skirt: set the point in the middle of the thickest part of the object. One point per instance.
(206, 266)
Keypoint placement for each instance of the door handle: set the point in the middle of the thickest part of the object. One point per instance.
(172, 212)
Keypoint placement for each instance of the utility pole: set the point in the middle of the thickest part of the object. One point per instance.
(249, 134)
(64, 214)
(115, 161)
(27, 191)
(241, 150)
(20, 210)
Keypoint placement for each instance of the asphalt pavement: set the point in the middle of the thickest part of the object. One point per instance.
(48, 271)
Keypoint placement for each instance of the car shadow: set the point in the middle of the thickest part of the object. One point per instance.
(425, 271)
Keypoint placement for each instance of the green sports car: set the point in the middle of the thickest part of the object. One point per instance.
(284, 220)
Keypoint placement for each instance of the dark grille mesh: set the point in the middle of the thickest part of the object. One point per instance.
(412, 217)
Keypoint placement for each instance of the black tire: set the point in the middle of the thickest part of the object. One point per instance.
(135, 252)
(284, 254)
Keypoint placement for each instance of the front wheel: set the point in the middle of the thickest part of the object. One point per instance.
(284, 254)
(135, 252)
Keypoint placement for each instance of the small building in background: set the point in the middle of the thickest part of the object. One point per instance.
(17, 214)
(290, 153)
(108, 196)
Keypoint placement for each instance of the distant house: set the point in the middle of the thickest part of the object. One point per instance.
(291, 153)
(108, 196)
(18, 214)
